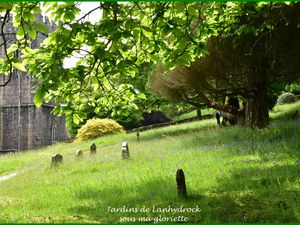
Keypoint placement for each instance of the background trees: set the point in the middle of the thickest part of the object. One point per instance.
(240, 49)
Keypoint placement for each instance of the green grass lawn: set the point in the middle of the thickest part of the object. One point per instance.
(194, 114)
(233, 175)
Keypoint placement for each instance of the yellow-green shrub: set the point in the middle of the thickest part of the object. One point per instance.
(95, 128)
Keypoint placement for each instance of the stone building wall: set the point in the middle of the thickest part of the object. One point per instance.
(9, 95)
(12, 88)
(38, 126)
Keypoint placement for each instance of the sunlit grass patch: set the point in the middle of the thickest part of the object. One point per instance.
(285, 112)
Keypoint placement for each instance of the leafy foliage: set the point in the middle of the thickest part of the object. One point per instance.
(95, 128)
(293, 87)
(132, 116)
(125, 37)
(128, 35)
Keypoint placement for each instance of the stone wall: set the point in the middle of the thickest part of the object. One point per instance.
(38, 126)
(9, 95)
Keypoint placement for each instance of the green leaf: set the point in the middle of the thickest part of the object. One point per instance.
(142, 96)
(181, 44)
(147, 32)
(69, 16)
(19, 66)
(136, 33)
(32, 33)
(40, 94)
(28, 17)
(12, 48)
(125, 113)
(20, 32)
(154, 57)
(132, 73)
(166, 31)
(106, 84)
(184, 59)
(76, 118)
(31, 17)
(37, 9)
(56, 110)
(41, 28)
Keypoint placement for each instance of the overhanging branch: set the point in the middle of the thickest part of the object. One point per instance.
(5, 20)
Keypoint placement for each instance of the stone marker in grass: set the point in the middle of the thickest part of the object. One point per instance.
(93, 149)
(125, 150)
(56, 160)
(181, 187)
(79, 154)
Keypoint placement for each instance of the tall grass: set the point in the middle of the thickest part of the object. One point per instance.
(233, 174)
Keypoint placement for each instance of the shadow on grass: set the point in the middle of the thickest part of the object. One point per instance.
(117, 196)
(249, 196)
(256, 195)
(276, 177)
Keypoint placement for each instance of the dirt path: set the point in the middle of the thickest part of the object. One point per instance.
(7, 176)
(17, 172)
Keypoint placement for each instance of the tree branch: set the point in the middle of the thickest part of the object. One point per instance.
(5, 19)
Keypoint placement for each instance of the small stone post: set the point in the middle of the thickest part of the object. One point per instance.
(56, 160)
(125, 150)
(198, 111)
(138, 136)
(181, 187)
(79, 154)
(93, 149)
(218, 118)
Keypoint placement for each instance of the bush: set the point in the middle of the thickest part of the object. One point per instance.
(95, 128)
(286, 98)
(154, 117)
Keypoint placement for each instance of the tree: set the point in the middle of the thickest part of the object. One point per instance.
(249, 63)
(126, 36)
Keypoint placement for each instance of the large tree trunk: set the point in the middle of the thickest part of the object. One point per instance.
(256, 110)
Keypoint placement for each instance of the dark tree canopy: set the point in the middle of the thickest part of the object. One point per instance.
(243, 64)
